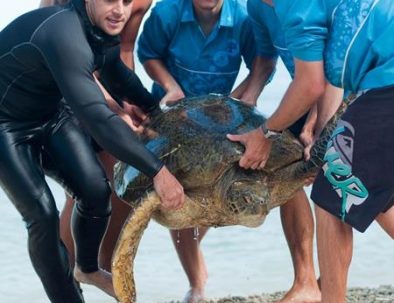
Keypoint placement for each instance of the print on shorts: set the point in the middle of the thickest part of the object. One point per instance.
(338, 168)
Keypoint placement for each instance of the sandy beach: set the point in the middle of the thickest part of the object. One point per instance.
(381, 294)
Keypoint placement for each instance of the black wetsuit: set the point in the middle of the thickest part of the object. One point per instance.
(45, 55)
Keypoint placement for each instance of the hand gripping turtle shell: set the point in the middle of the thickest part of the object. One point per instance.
(190, 138)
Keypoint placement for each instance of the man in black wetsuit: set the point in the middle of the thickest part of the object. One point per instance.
(45, 55)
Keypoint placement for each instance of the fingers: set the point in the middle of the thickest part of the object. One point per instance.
(172, 102)
(169, 190)
(173, 201)
(172, 96)
(262, 165)
(257, 149)
(236, 138)
(139, 113)
(307, 153)
(248, 163)
(139, 129)
(308, 181)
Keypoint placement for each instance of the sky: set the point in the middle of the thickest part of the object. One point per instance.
(9, 10)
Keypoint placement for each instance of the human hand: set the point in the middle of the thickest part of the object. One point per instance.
(172, 96)
(247, 100)
(135, 113)
(169, 190)
(309, 180)
(257, 148)
(136, 127)
(307, 139)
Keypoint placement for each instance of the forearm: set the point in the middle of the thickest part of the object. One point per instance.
(250, 89)
(159, 73)
(328, 106)
(304, 91)
(310, 122)
(239, 90)
(115, 107)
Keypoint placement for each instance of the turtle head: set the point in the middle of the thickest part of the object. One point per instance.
(246, 195)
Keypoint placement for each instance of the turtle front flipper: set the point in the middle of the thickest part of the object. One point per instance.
(126, 248)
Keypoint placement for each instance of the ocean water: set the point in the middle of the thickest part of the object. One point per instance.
(240, 261)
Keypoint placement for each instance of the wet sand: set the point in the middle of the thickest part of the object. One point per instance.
(381, 294)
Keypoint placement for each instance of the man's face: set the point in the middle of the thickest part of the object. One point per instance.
(109, 15)
(207, 4)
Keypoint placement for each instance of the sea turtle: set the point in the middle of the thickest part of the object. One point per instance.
(190, 137)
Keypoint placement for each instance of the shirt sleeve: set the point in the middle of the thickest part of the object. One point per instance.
(71, 62)
(157, 34)
(264, 45)
(305, 27)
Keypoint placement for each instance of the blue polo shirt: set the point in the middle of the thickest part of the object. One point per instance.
(269, 35)
(200, 64)
(360, 48)
(355, 37)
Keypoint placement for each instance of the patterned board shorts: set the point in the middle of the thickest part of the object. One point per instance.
(356, 182)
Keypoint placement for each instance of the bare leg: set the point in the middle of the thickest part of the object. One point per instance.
(386, 221)
(335, 249)
(297, 222)
(120, 212)
(192, 261)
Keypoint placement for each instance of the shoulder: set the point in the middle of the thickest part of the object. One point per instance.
(141, 6)
(167, 10)
(238, 7)
(61, 36)
(60, 24)
(258, 7)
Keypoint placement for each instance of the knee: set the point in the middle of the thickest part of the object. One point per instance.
(95, 200)
(40, 212)
(386, 221)
(43, 220)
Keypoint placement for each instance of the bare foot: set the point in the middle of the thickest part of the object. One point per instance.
(194, 295)
(101, 279)
(302, 294)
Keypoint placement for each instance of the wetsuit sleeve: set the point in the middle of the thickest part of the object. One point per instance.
(264, 45)
(124, 83)
(70, 60)
(305, 27)
(157, 34)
